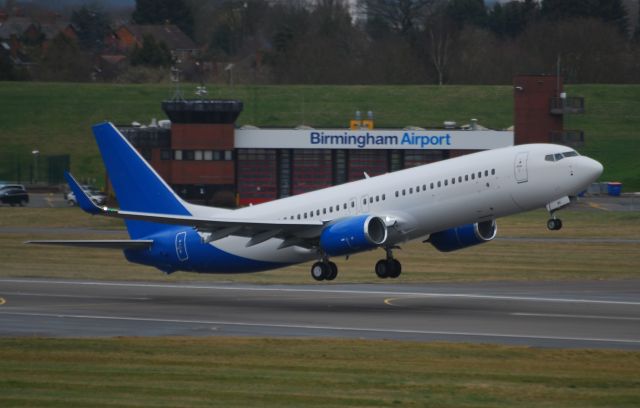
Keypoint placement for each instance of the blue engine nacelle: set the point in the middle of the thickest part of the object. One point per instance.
(464, 236)
(352, 235)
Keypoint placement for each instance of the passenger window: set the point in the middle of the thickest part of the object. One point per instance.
(364, 201)
(479, 174)
(493, 172)
(377, 198)
(446, 182)
(384, 197)
(370, 200)
(466, 177)
(298, 216)
(404, 192)
(344, 207)
(459, 179)
(486, 173)
(317, 212)
(431, 186)
(473, 176)
(353, 204)
(397, 193)
(331, 208)
(453, 180)
(439, 184)
(324, 210)
(411, 190)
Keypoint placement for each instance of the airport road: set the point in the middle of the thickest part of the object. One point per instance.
(550, 314)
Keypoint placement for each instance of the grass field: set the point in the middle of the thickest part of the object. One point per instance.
(513, 256)
(240, 372)
(55, 118)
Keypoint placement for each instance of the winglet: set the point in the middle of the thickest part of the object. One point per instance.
(83, 199)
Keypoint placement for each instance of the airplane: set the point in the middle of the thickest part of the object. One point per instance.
(451, 204)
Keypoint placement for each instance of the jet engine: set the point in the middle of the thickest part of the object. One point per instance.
(464, 236)
(351, 235)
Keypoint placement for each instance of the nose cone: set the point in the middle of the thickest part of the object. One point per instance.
(594, 168)
(590, 169)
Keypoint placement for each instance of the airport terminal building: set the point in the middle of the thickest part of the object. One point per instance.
(201, 153)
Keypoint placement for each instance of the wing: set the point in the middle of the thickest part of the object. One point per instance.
(109, 244)
(292, 232)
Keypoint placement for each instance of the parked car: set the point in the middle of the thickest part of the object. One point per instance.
(14, 195)
(7, 186)
(96, 196)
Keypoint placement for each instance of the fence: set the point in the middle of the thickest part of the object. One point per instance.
(27, 168)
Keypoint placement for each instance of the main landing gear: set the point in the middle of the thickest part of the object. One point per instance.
(389, 267)
(324, 270)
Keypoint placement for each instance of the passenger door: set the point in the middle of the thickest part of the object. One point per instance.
(520, 167)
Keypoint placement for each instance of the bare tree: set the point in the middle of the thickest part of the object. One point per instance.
(439, 35)
(401, 16)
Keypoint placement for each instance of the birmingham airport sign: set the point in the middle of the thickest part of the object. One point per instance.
(372, 139)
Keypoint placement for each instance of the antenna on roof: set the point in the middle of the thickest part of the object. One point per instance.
(175, 78)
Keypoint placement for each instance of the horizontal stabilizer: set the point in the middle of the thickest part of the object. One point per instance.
(110, 244)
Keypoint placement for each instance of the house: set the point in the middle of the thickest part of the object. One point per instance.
(181, 46)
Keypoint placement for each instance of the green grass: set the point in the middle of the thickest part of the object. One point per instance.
(56, 118)
(498, 260)
(241, 372)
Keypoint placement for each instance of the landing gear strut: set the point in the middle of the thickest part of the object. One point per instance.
(554, 223)
(324, 270)
(389, 267)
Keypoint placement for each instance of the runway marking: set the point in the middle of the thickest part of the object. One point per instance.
(74, 296)
(571, 316)
(331, 291)
(597, 206)
(327, 328)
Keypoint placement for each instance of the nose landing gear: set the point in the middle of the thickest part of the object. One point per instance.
(554, 224)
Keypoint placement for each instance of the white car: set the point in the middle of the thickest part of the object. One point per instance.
(95, 195)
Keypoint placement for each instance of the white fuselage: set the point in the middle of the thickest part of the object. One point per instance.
(423, 200)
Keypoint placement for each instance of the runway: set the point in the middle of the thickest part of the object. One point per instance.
(550, 314)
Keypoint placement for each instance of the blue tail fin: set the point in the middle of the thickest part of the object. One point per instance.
(137, 186)
(81, 197)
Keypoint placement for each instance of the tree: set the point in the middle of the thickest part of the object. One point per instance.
(64, 61)
(162, 11)
(510, 19)
(92, 26)
(438, 38)
(400, 16)
(609, 11)
(464, 12)
(152, 53)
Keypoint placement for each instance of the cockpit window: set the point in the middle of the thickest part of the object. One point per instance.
(560, 156)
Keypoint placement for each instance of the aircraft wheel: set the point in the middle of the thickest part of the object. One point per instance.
(382, 269)
(554, 224)
(395, 268)
(319, 271)
(333, 271)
